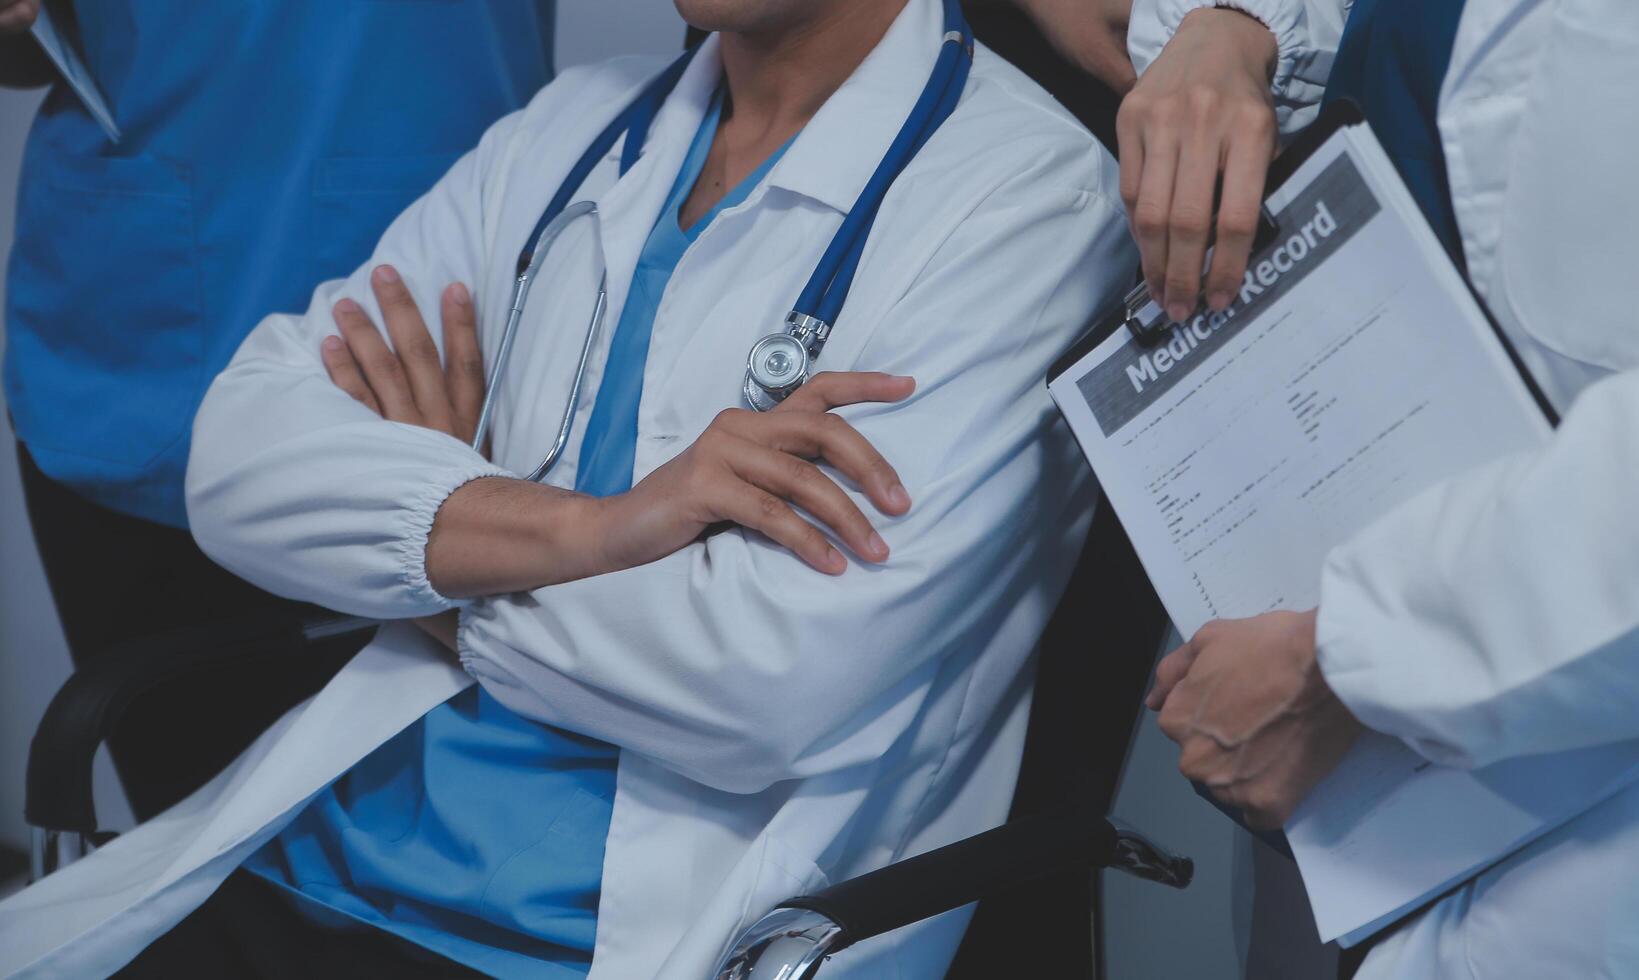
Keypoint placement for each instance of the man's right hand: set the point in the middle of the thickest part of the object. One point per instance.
(750, 469)
(1202, 110)
(17, 16)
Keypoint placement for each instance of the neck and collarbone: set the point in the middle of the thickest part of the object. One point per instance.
(781, 60)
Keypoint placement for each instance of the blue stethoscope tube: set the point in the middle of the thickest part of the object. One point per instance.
(781, 362)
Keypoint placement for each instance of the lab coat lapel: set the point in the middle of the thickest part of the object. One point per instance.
(837, 152)
(829, 162)
(630, 206)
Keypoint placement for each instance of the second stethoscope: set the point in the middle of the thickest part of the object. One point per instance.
(782, 361)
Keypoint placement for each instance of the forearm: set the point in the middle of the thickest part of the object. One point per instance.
(500, 535)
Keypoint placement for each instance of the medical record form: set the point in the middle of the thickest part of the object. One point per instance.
(1353, 370)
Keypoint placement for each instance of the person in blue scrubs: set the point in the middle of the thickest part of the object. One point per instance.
(266, 145)
(477, 835)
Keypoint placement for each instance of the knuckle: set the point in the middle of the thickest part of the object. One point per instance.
(770, 506)
(800, 472)
(1190, 221)
(1203, 101)
(727, 417)
(1238, 221)
(387, 363)
(1150, 218)
(1134, 108)
(421, 348)
(1254, 118)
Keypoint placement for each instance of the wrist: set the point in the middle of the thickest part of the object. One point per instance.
(497, 535)
(1236, 30)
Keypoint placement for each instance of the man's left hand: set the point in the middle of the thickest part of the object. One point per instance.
(1248, 705)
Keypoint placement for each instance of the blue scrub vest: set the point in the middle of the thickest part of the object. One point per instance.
(267, 144)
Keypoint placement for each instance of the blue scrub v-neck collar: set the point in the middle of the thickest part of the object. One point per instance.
(694, 162)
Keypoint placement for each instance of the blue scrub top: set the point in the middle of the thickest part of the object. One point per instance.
(476, 833)
(267, 144)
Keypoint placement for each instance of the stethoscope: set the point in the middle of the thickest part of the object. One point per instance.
(780, 362)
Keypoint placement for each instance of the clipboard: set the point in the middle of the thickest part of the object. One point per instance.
(1149, 327)
(1131, 315)
(72, 67)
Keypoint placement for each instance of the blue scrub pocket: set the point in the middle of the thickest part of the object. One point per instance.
(356, 198)
(104, 314)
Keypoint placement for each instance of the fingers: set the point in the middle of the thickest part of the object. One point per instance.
(1189, 219)
(826, 436)
(1129, 136)
(1151, 215)
(1173, 668)
(1246, 163)
(344, 372)
(380, 365)
(801, 482)
(834, 389)
(463, 360)
(415, 348)
(756, 508)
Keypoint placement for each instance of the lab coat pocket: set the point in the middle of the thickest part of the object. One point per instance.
(356, 198)
(105, 307)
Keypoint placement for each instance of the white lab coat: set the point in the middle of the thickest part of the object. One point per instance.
(1497, 615)
(779, 729)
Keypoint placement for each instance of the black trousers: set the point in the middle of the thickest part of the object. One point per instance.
(117, 578)
(250, 930)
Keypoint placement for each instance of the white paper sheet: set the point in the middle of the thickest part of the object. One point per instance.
(1353, 370)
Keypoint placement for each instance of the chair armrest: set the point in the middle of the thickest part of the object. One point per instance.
(91, 703)
(805, 929)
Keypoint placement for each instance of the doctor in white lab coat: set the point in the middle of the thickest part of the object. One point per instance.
(779, 728)
(1497, 615)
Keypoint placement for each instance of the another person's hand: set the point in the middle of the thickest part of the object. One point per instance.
(1092, 34)
(1247, 703)
(756, 469)
(1200, 112)
(407, 382)
(17, 16)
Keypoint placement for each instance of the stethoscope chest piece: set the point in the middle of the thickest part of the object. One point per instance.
(781, 362)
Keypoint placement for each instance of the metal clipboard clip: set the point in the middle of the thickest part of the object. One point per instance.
(1149, 324)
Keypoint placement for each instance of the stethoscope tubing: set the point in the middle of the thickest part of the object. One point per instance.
(520, 297)
(827, 289)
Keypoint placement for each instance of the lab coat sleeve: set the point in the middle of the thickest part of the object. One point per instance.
(303, 491)
(1498, 615)
(734, 664)
(1306, 35)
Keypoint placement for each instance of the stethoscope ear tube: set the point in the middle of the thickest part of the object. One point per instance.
(520, 297)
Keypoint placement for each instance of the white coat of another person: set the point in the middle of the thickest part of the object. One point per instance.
(1496, 615)
(777, 728)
